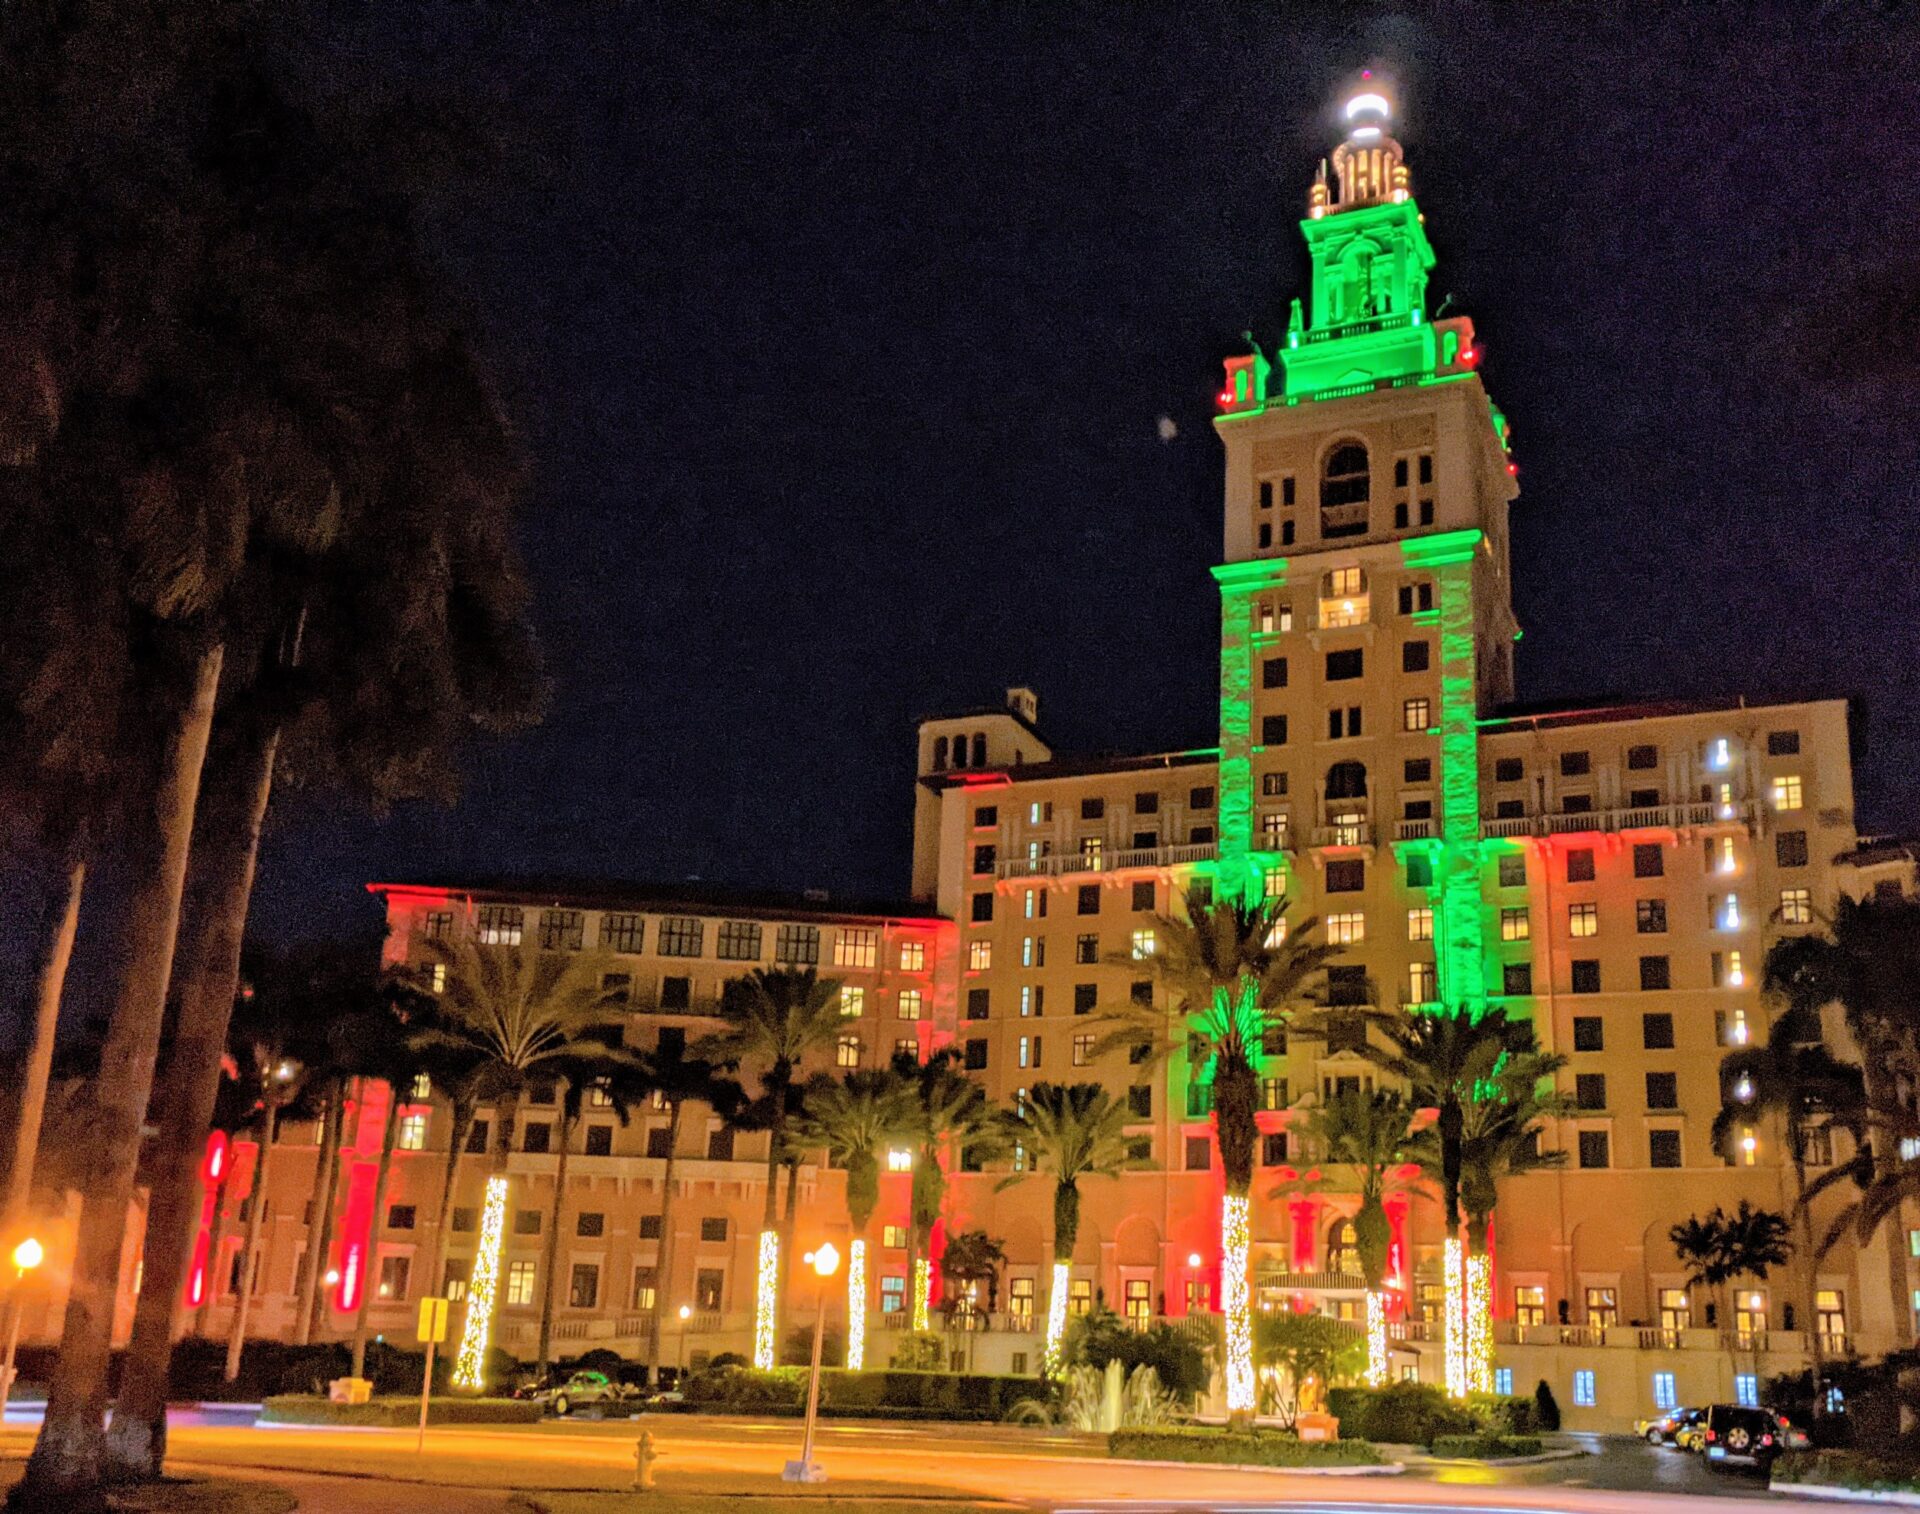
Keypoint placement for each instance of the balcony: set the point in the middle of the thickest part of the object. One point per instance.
(1311, 1282)
(1344, 520)
(1415, 830)
(1650, 817)
(1345, 833)
(1070, 864)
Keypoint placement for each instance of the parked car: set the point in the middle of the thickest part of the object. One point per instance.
(1659, 1429)
(1736, 1436)
(1689, 1432)
(1792, 1437)
(585, 1390)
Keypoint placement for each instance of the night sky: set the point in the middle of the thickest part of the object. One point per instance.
(841, 337)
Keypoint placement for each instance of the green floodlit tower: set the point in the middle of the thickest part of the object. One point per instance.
(1366, 614)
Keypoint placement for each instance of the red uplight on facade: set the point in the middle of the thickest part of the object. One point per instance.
(1226, 398)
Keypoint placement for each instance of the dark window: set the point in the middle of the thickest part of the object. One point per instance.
(1580, 866)
(1588, 1033)
(1415, 656)
(1199, 1153)
(986, 816)
(1643, 756)
(599, 1140)
(672, 1040)
(976, 1004)
(983, 859)
(1273, 785)
(1140, 991)
(1783, 743)
(1093, 809)
(976, 1055)
(1516, 979)
(526, 1222)
(676, 993)
(1513, 870)
(400, 1216)
(797, 946)
(1200, 799)
(1586, 975)
(1575, 764)
(562, 929)
(1508, 770)
(1273, 673)
(1273, 730)
(982, 910)
(1417, 770)
(1649, 859)
(1346, 875)
(1085, 997)
(1140, 1101)
(680, 937)
(1642, 799)
(1593, 1148)
(478, 1134)
(1790, 848)
(463, 1220)
(1578, 804)
(720, 1145)
(1347, 985)
(537, 1138)
(1089, 899)
(1140, 1053)
(1347, 780)
(591, 1225)
(739, 940)
(1656, 1032)
(713, 1228)
(1663, 1148)
(1143, 895)
(1590, 1090)
(623, 933)
(1419, 871)
(1086, 949)
(1417, 809)
(1415, 597)
(659, 1141)
(1655, 973)
(1663, 1090)
(1146, 804)
(1349, 663)
(1650, 916)
(650, 1227)
(1273, 1148)
(1509, 809)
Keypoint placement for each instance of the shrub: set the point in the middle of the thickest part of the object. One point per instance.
(916, 1395)
(746, 1389)
(920, 1351)
(311, 1409)
(1847, 1469)
(1546, 1409)
(728, 1359)
(600, 1360)
(1259, 1448)
(797, 1350)
(1503, 1414)
(1487, 1447)
(1102, 1336)
(1401, 1413)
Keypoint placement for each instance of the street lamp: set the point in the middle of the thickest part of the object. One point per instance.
(824, 1262)
(28, 1255)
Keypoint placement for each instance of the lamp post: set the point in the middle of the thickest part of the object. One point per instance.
(26, 1256)
(680, 1363)
(824, 1262)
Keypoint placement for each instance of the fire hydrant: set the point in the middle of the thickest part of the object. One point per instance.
(644, 1456)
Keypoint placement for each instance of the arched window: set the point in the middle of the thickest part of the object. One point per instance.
(1347, 780)
(939, 753)
(1343, 1249)
(960, 751)
(979, 749)
(1345, 486)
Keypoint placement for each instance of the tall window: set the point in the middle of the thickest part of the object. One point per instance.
(853, 1001)
(413, 1131)
(739, 941)
(520, 1283)
(501, 924)
(856, 948)
(846, 1051)
(623, 933)
(797, 946)
(561, 929)
(1343, 1249)
(681, 936)
(1347, 929)
(911, 1004)
(1344, 489)
(913, 956)
(979, 955)
(1529, 1304)
(1423, 986)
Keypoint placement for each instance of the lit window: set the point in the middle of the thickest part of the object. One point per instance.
(1786, 792)
(1730, 911)
(1796, 906)
(422, 1087)
(1416, 715)
(853, 1001)
(1663, 1392)
(1583, 1395)
(1422, 985)
(1720, 858)
(1033, 951)
(500, 924)
(1347, 929)
(1420, 923)
(1040, 812)
(979, 955)
(1082, 1050)
(1583, 919)
(413, 1132)
(910, 1004)
(1503, 1381)
(1273, 885)
(856, 948)
(1717, 754)
(1515, 924)
(437, 977)
(846, 1051)
(1029, 1051)
(520, 1283)
(913, 956)
(894, 1235)
(1749, 1146)
(1746, 1390)
(899, 1159)
(1143, 943)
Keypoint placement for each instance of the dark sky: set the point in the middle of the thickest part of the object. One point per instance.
(840, 336)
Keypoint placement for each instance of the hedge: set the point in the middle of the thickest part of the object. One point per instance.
(885, 1394)
(1258, 1448)
(1847, 1469)
(309, 1409)
(1401, 1414)
(1487, 1447)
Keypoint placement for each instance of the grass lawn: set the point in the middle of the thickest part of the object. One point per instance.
(185, 1495)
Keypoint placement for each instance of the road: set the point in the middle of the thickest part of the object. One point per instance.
(1059, 1471)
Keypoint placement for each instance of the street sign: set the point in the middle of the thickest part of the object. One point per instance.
(433, 1321)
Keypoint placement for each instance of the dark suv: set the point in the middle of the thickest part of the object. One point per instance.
(1737, 1436)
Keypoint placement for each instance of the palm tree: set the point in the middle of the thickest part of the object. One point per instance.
(775, 1017)
(1223, 975)
(1370, 1134)
(1070, 1131)
(951, 1112)
(677, 1080)
(858, 1118)
(1718, 1249)
(522, 1015)
(619, 1078)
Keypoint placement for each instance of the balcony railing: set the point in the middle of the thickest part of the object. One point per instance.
(1415, 830)
(1648, 817)
(1066, 864)
(1311, 1282)
(1345, 833)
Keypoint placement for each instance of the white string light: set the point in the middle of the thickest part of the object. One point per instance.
(1455, 1305)
(470, 1367)
(1479, 1320)
(1056, 1318)
(1376, 1339)
(922, 1281)
(766, 1299)
(1236, 1234)
(856, 1305)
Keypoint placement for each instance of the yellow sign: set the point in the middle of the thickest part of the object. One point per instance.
(433, 1321)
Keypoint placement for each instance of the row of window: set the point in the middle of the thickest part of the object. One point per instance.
(794, 945)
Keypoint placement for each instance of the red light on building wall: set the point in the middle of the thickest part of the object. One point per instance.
(356, 1231)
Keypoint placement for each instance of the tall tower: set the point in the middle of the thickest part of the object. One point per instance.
(1366, 615)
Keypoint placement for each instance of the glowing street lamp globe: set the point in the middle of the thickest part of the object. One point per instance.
(825, 1261)
(29, 1254)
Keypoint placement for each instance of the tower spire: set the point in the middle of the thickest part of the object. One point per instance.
(1369, 167)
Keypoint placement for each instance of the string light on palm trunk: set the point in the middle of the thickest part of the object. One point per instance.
(1455, 1304)
(922, 1281)
(470, 1366)
(856, 1305)
(1056, 1319)
(1479, 1320)
(766, 1299)
(1236, 1234)
(1376, 1339)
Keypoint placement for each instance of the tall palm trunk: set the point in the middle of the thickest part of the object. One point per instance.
(766, 1304)
(389, 1137)
(1235, 1097)
(66, 1457)
(1066, 1235)
(250, 1248)
(1452, 1128)
(788, 1216)
(663, 1265)
(55, 951)
(1815, 1345)
(507, 1114)
(310, 1290)
(216, 1234)
(236, 784)
(456, 1142)
(550, 1264)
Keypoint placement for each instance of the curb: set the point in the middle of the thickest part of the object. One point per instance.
(1374, 1469)
(1839, 1494)
(1568, 1454)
